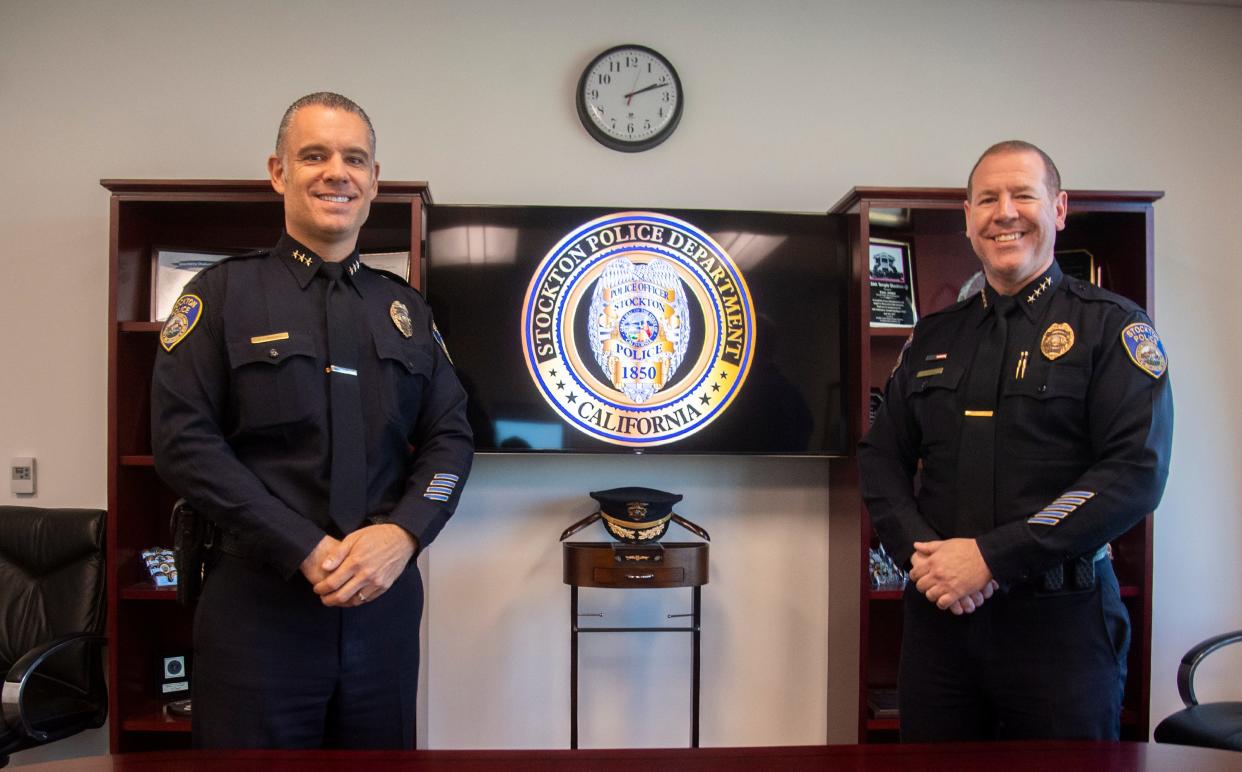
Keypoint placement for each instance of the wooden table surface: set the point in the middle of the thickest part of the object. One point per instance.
(956, 757)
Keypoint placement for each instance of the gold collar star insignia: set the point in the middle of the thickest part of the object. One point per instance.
(1043, 285)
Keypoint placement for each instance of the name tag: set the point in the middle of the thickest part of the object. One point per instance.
(270, 338)
(929, 373)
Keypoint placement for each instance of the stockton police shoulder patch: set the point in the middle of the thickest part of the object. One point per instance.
(1145, 349)
(901, 355)
(435, 333)
(182, 320)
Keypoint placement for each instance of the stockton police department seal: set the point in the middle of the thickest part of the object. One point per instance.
(638, 329)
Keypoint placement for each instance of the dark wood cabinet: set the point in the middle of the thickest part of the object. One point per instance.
(145, 623)
(1116, 229)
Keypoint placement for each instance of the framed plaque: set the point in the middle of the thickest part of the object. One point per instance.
(173, 675)
(171, 270)
(1080, 264)
(393, 262)
(891, 273)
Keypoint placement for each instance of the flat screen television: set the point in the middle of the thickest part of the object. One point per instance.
(606, 330)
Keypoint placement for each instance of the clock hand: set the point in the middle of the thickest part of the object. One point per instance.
(644, 88)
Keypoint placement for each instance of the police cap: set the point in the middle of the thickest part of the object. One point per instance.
(636, 515)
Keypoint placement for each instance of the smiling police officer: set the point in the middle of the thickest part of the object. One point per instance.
(1040, 411)
(304, 403)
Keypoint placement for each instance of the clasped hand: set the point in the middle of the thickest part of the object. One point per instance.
(952, 574)
(359, 568)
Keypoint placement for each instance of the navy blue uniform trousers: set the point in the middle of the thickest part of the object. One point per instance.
(1025, 665)
(289, 672)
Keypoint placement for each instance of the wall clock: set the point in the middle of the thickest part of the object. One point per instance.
(630, 98)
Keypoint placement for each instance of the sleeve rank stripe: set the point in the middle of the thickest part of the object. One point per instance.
(445, 476)
(435, 497)
(1084, 494)
(445, 491)
(1066, 508)
(1043, 521)
(1051, 513)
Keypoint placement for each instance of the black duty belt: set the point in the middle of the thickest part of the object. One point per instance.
(230, 544)
(1077, 575)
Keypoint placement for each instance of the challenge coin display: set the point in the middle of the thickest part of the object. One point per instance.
(638, 329)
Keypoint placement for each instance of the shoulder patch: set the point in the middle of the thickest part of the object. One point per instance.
(435, 333)
(901, 355)
(181, 322)
(1145, 349)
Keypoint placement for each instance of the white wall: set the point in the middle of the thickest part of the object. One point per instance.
(789, 104)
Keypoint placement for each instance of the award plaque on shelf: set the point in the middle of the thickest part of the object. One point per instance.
(171, 270)
(174, 676)
(892, 284)
(1080, 264)
(393, 262)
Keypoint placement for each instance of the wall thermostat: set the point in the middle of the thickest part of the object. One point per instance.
(22, 477)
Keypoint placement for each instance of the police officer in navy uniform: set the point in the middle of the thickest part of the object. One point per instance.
(305, 404)
(1037, 418)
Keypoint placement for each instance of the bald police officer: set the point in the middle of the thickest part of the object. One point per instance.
(1040, 412)
(304, 403)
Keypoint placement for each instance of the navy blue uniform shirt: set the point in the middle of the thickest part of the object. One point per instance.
(1082, 437)
(239, 404)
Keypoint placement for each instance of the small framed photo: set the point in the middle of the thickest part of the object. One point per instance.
(393, 262)
(1080, 264)
(171, 270)
(891, 276)
(173, 675)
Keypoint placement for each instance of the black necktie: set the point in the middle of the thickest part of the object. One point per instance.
(976, 471)
(347, 494)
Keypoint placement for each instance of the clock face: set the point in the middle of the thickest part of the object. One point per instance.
(630, 98)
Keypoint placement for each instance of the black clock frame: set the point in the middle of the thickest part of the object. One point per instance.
(621, 145)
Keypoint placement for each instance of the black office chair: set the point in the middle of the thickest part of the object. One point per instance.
(1211, 725)
(52, 611)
